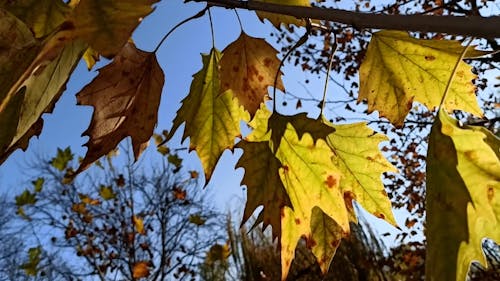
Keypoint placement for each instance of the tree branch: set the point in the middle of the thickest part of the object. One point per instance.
(476, 26)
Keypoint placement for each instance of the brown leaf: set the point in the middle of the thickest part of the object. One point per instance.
(248, 66)
(126, 96)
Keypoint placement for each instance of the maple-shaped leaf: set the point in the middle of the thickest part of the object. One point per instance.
(140, 269)
(62, 158)
(463, 202)
(272, 126)
(264, 186)
(125, 96)
(357, 156)
(311, 180)
(212, 119)
(106, 25)
(399, 69)
(42, 16)
(277, 19)
(248, 67)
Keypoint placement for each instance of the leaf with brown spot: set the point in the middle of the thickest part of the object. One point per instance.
(399, 69)
(125, 96)
(248, 67)
(361, 164)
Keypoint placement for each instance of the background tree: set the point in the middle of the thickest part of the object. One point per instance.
(126, 221)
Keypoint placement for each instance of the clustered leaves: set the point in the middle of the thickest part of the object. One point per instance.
(305, 172)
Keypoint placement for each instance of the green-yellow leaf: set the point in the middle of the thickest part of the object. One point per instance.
(264, 186)
(197, 220)
(277, 19)
(25, 198)
(212, 119)
(125, 96)
(91, 57)
(361, 164)
(463, 202)
(31, 266)
(399, 69)
(248, 67)
(38, 184)
(107, 25)
(311, 180)
(42, 89)
(42, 16)
(62, 158)
(106, 192)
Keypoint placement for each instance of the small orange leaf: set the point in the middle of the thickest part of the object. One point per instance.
(179, 193)
(248, 67)
(140, 269)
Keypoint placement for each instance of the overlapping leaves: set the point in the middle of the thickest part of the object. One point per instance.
(463, 206)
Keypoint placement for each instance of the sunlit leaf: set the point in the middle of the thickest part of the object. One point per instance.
(107, 25)
(91, 57)
(264, 186)
(43, 88)
(125, 96)
(361, 164)
(212, 118)
(248, 67)
(277, 19)
(399, 69)
(62, 158)
(217, 252)
(463, 206)
(311, 180)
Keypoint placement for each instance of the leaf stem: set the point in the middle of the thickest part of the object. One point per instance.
(301, 41)
(211, 28)
(197, 15)
(452, 76)
(327, 78)
(239, 20)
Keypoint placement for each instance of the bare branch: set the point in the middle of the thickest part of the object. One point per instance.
(475, 26)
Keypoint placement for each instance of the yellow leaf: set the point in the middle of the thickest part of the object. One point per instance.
(91, 57)
(140, 269)
(311, 180)
(264, 186)
(399, 69)
(217, 252)
(212, 119)
(106, 192)
(107, 25)
(248, 67)
(277, 19)
(125, 96)
(139, 225)
(361, 164)
(463, 206)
